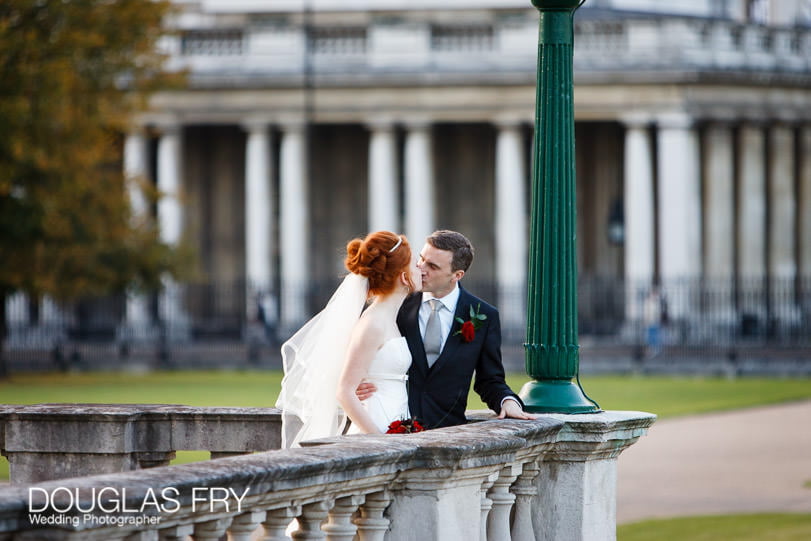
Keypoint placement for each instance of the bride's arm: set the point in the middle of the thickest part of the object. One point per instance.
(362, 348)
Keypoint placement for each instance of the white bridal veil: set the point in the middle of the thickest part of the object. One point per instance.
(313, 359)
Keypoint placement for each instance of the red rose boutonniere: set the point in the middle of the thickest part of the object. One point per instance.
(469, 327)
(405, 426)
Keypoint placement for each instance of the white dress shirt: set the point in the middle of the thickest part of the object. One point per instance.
(445, 313)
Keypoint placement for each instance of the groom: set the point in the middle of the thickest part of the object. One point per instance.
(445, 352)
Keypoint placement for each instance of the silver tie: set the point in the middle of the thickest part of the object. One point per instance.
(433, 334)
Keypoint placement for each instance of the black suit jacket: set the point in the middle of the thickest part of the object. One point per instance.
(438, 396)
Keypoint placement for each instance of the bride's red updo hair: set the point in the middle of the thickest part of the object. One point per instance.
(381, 257)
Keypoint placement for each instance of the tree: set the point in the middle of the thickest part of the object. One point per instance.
(72, 74)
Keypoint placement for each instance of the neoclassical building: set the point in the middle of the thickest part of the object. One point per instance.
(308, 122)
(305, 124)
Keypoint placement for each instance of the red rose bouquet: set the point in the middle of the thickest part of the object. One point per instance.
(405, 426)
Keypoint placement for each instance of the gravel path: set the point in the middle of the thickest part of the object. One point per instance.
(744, 461)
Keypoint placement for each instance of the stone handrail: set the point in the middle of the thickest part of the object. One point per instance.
(55, 441)
(555, 476)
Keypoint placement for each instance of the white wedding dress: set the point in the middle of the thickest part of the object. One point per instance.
(313, 359)
(388, 373)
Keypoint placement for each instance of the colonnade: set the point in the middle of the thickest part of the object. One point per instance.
(732, 205)
(714, 202)
(291, 166)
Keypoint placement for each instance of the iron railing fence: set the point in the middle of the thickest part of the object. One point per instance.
(214, 323)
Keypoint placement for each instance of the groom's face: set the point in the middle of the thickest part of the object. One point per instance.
(438, 276)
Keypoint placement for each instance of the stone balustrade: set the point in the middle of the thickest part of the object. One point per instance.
(498, 48)
(550, 479)
(55, 441)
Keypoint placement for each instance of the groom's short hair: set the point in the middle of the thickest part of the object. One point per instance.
(456, 243)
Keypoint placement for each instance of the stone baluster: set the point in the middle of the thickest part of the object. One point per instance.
(498, 523)
(176, 533)
(245, 524)
(312, 516)
(277, 521)
(211, 530)
(524, 489)
(340, 527)
(487, 504)
(371, 524)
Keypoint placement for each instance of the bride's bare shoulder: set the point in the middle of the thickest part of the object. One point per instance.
(369, 330)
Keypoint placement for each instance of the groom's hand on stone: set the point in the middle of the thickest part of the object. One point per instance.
(365, 390)
(511, 409)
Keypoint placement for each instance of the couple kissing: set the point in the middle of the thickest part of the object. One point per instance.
(400, 338)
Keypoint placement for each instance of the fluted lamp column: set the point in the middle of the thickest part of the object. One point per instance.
(552, 350)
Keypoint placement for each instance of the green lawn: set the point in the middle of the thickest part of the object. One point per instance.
(762, 527)
(664, 396)
(211, 388)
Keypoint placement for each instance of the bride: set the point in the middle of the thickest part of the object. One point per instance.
(345, 345)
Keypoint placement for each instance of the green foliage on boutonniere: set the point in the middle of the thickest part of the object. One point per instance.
(469, 327)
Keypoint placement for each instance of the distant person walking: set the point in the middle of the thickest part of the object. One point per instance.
(653, 315)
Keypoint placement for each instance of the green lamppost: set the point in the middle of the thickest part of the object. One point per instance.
(552, 350)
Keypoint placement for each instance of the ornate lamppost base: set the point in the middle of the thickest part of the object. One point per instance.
(556, 396)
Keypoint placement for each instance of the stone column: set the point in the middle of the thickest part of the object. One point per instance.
(804, 213)
(751, 235)
(679, 212)
(511, 226)
(170, 210)
(719, 213)
(804, 201)
(52, 316)
(136, 170)
(258, 228)
(137, 323)
(294, 226)
(170, 221)
(18, 313)
(782, 224)
(383, 192)
(639, 215)
(419, 183)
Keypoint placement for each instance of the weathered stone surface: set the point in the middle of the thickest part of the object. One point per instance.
(52, 441)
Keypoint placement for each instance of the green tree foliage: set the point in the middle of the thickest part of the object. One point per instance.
(72, 73)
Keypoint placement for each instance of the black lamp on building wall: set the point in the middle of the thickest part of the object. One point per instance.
(616, 223)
